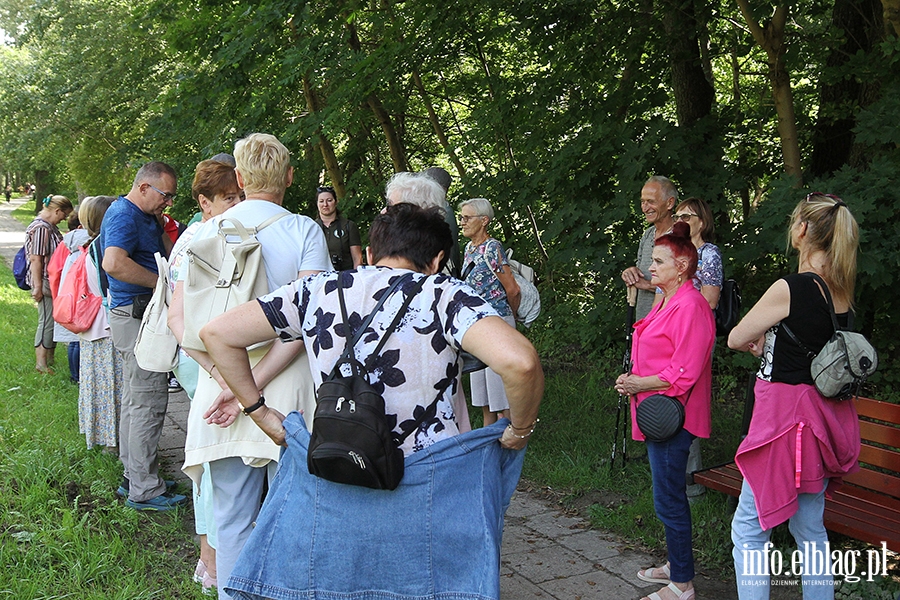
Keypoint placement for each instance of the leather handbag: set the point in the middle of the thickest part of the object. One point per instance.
(660, 417)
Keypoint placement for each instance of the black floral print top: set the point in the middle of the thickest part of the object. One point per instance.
(418, 371)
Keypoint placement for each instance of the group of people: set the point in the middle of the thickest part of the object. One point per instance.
(799, 443)
(235, 438)
(253, 386)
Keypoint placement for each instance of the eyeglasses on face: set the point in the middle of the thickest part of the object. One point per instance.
(685, 216)
(467, 218)
(167, 195)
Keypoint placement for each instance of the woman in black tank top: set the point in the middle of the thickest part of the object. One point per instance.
(798, 441)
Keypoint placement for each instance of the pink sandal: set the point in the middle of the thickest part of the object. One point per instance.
(647, 575)
(679, 595)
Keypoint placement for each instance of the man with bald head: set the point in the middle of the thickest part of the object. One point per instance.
(658, 199)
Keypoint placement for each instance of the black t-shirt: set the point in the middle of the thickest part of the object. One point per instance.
(810, 320)
(340, 236)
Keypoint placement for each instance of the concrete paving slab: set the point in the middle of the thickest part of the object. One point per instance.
(516, 587)
(627, 564)
(596, 584)
(554, 524)
(551, 563)
(519, 538)
(592, 544)
(523, 505)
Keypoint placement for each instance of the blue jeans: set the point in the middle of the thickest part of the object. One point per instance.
(73, 352)
(806, 526)
(668, 460)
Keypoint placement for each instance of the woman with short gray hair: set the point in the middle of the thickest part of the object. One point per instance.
(486, 270)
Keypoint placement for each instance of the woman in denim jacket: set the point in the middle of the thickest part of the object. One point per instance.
(314, 536)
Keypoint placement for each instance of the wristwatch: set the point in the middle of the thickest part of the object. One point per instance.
(259, 404)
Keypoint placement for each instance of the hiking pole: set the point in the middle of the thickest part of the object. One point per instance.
(622, 402)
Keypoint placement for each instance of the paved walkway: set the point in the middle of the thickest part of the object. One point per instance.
(546, 554)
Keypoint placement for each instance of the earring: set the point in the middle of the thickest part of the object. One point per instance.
(679, 279)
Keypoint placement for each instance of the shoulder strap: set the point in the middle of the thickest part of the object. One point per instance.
(828, 299)
(349, 344)
(235, 227)
(98, 264)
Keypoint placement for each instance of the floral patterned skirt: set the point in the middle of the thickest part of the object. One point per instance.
(100, 392)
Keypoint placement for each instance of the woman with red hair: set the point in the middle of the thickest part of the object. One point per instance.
(672, 355)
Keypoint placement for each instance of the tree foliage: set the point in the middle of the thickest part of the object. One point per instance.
(556, 111)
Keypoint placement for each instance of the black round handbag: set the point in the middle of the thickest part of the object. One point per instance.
(660, 417)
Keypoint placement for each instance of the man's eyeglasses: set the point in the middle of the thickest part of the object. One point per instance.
(685, 216)
(467, 218)
(167, 195)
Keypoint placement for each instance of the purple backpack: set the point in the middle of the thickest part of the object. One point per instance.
(20, 268)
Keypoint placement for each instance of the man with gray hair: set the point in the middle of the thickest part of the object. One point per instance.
(658, 199)
(131, 233)
(426, 189)
(415, 188)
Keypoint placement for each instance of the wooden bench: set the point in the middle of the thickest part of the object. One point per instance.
(867, 506)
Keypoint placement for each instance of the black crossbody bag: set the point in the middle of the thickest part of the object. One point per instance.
(352, 441)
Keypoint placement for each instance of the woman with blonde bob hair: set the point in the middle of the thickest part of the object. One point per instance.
(799, 444)
(265, 164)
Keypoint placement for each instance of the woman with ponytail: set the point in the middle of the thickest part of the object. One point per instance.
(799, 444)
(41, 239)
(672, 355)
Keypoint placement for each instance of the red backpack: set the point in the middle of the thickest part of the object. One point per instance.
(75, 307)
(55, 267)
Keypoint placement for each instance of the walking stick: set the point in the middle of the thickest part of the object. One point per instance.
(622, 402)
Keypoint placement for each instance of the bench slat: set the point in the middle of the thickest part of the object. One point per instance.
(880, 508)
(861, 527)
(876, 409)
(879, 457)
(880, 482)
(880, 434)
(726, 479)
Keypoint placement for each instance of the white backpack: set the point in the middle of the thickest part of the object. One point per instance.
(530, 302)
(156, 348)
(223, 271)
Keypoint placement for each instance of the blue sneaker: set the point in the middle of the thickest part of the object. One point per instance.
(122, 491)
(162, 502)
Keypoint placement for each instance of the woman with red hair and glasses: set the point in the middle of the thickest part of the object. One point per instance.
(799, 444)
(672, 355)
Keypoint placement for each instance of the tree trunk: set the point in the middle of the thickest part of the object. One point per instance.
(398, 154)
(860, 20)
(891, 17)
(436, 124)
(328, 155)
(693, 92)
(771, 39)
(41, 188)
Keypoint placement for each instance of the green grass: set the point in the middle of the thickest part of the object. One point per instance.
(64, 532)
(24, 214)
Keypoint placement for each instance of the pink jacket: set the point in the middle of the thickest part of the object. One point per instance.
(797, 440)
(676, 344)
